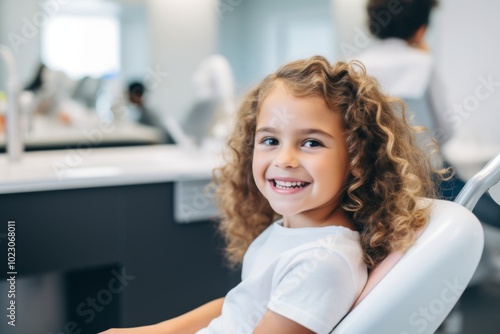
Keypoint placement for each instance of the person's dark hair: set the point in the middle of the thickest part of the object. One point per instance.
(37, 82)
(398, 18)
(136, 88)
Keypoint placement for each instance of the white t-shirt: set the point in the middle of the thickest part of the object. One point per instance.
(402, 70)
(309, 275)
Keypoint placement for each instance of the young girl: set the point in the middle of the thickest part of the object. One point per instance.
(322, 182)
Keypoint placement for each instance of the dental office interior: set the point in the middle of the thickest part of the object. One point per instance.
(113, 114)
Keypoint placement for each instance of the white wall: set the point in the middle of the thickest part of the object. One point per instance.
(183, 33)
(135, 43)
(19, 21)
(470, 49)
(349, 18)
(257, 36)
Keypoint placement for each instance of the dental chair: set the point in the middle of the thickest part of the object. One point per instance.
(415, 291)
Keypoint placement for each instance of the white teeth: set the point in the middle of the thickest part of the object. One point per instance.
(288, 184)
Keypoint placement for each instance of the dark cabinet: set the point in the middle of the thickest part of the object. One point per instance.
(120, 254)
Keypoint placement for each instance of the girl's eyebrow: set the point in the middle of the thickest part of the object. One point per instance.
(266, 129)
(315, 131)
(308, 131)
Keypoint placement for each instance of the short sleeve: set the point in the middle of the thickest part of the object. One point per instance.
(315, 289)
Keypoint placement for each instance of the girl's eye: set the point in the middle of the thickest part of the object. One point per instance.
(270, 141)
(312, 143)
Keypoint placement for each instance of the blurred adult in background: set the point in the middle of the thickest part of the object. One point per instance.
(52, 92)
(138, 111)
(50, 88)
(45, 100)
(36, 83)
(402, 62)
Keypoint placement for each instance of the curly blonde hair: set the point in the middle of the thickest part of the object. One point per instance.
(388, 172)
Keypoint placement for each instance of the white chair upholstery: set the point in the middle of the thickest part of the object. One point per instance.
(414, 292)
(420, 290)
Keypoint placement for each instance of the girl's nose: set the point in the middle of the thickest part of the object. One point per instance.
(286, 158)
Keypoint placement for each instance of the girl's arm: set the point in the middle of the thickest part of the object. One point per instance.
(188, 323)
(274, 323)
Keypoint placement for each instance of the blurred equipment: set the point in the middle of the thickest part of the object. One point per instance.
(86, 91)
(212, 113)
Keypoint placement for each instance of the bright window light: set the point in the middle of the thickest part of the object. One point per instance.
(82, 45)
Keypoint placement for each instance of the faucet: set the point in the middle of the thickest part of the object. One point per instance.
(15, 145)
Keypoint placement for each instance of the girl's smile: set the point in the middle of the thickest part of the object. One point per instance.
(288, 185)
(300, 157)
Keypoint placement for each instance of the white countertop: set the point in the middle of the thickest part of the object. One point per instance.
(50, 132)
(99, 167)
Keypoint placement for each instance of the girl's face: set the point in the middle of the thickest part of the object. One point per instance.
(300, 156)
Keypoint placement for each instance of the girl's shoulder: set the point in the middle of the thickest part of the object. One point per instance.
(326, 243)
(334, 255)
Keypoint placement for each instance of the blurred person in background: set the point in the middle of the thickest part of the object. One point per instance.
(50, 87)
(137, 110)
(403, 64)
(52, 97)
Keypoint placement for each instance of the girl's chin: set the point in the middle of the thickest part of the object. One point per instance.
(285, 212)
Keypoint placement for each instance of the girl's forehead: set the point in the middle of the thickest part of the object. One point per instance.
(282, 96)
(282, 109)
